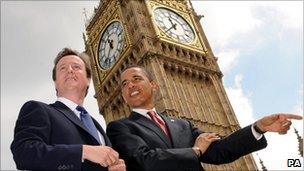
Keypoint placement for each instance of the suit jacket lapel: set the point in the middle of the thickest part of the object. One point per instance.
(100, 129)
(172, 128)
(72, 117)
(149, 124)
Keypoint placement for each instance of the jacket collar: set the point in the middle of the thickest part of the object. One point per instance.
(67, 112)
(149, 124)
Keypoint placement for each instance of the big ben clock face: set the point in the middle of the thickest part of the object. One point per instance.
(174, 25)
(110, 45)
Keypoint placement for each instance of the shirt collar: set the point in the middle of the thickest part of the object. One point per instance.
(143, 111)
(70, 104)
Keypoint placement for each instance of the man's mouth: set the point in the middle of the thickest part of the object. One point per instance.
(134, 93)
(70, 79)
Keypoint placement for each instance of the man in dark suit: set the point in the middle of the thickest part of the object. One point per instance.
(148, 140)
(63, 136)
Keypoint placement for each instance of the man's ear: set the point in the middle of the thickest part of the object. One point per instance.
(89, 81)
(55, 85)
(124, 98)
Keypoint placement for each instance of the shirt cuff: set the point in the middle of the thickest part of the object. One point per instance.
(256, 135)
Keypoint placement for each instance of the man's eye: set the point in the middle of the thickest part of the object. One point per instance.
(62, 68)
(77, 66)
(124, 84)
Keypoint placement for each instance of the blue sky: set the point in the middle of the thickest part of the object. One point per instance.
(259, 46)
(270, 58)
(274, 70)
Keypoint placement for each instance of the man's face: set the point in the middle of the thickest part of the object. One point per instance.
(137, 89)
(71, 75)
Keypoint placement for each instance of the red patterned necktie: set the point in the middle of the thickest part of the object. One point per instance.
(159, 122)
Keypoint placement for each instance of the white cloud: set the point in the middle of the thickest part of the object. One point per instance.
(240, 102)
(227, 59)
(225, 20)
(289, 13)
(292, 15)
(241, 27)
(298, 108)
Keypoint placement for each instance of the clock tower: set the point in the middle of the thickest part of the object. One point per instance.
(167, 39)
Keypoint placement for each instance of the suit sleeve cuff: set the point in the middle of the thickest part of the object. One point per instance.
(257, 135)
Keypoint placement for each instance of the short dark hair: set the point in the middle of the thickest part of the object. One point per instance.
(67, 51)
(145, 71)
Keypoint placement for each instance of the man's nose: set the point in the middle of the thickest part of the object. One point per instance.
(70, 68)
(131, 85)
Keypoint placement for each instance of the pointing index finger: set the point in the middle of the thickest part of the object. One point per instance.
(292, 116)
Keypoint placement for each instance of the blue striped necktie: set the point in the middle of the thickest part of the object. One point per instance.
(88, 122)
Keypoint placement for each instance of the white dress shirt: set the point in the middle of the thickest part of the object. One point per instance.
(144, 112)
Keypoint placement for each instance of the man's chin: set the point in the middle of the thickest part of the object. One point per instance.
(134, 105)
(71, 85)
(71, 82)
(138, 105)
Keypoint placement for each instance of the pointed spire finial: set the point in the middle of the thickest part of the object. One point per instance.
(300, 141)
(84, 37)
(84, 40)
(190, 4)
(85, 13)
(262, 163)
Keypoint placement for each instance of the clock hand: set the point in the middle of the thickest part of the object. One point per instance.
(172, 27)
(109, 49)
(173, 24)
(107, 62)
(110, 41)
(111, 44)
(170, 21)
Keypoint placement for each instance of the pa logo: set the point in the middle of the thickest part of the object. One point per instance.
(294, 163)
